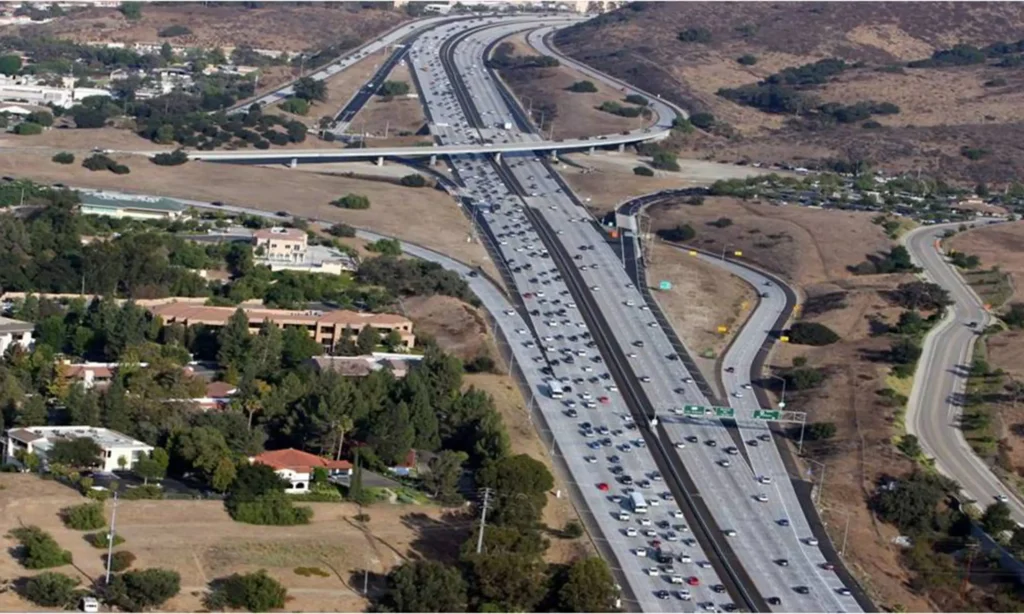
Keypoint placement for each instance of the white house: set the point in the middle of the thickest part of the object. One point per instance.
(15, 332)
(40, 439)
(297, 467)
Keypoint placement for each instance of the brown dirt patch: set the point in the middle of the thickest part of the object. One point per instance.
(805, 245)
(577, 114)
(442, 225)
(199, 540)
(525, 440)
(458, 328)
(702, 298)
(609, 179)
(999, 244)
(291, 28)
(395, 116)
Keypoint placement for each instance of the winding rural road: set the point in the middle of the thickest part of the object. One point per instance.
(936, 400)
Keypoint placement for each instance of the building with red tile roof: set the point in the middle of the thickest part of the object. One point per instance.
(297, 467)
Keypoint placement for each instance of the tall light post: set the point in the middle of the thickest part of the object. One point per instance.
(727, 246)
(782, 399)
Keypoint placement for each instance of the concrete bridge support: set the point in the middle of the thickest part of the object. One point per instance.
(497, 157)
(294, 162)
(622, 147)
(433, 160)
(380, 160)
(591, 150)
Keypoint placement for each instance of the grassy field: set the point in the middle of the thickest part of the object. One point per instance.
(998, 247)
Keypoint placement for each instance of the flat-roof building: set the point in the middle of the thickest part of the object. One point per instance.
(139, 208)
(39, 440)
(280, 244)
(327, 327)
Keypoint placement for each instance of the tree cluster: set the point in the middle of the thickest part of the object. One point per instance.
(678, 234)
(352, 201)
(584, 86)
(408, 277)
(393, 88)
(101, 162)
(38, 548)
(812, 333)
(503, 58)
(920, 295)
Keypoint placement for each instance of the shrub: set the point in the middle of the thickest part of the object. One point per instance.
(28, 129)
(812, 333)
(64, 157)
(643, 171)
(43, 118)
(695, 35)
(871, 125)
(144, 491)
(174, 158)
(804, 378)
(679, 234)
(573, 529)
(973, 153)
(120, 560)
(637, 99)
(583, 87)
(174, 30)
(298, 106)
(84, 517)
(256, 592)
(271, 509)
(311, 571)
(341, 230)
(102, 539)
(138, 590)
(38, 548)
(818, 431)
(704, 121)
(393, 88)
(722, 222)
(665, 161)
(386, 247)
(352, 201)
(120, 169)
(98, 162)
(682, 124)
(51, 590)
(747, 59)
(414, 180)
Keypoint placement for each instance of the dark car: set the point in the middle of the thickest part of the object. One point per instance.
(782, 562)
(803, 590)
(718, 588)
(774, 601)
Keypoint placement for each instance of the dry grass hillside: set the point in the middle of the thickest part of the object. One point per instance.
(271, 26)
(941, 109)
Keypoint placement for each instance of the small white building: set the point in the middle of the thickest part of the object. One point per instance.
(39, 440)
(297, 467)
(15, 332)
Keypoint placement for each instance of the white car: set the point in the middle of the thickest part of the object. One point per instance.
(654, 503)
(680, 445)
(747, 386)
(645, 522)
(677, 514)
(811, 541)
(685, 558)
(90, 604)
(652, 571)
(729, 533)
(738, 394)
(765, 479)
(761, 497)
(724, 462)
(683, 595)
(641, 552)
(632, 532)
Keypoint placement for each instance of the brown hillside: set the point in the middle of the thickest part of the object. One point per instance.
(941, 109)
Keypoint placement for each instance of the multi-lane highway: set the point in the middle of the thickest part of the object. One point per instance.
(781, 561)
(936, 400)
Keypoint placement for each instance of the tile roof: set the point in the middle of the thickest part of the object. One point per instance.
(298, 461)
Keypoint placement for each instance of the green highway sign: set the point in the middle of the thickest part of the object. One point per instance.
(700, 410)
(767, 414)
(694, 410)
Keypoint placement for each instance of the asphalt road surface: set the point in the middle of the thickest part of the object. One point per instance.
(936, 401)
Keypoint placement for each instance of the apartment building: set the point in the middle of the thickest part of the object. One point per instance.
(327, 327)
(15, 332)
(281, 244)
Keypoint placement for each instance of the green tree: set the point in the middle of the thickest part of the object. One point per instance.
(82, 452)
(166, 52)
(203, 449)
(910, 446)
(589, 587)
(704, 121)
(296, 106)
(425, 586)
(352, 201)
(997, 519)
(665, 161)
(84, 517)
(820, 431)
(812, 333)
(64, 157)
(310, 89)
(51, 590)
(223, 474)
(152, 466)
(10, 64)
(235, 343)
(394, 88)
(904, 351)
(256, 592)
(131, 10)
(643, 171)
(391, 433)
(367, 340)
(521, 484)
(32, 412)
(678, 234)
(297, 347)
(442, 480)
(143, 589)
(583, 86)
(507, 583)
(910, 503)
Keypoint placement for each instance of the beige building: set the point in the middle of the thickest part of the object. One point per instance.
(327, 327)
(281, 244)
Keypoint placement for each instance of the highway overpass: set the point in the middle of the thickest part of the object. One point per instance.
(300, 156)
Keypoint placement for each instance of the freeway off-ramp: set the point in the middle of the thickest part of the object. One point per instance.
(936, 400)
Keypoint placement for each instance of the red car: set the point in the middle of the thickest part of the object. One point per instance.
(602, 487)
(527, 295)
(603, 400)
(693, 581)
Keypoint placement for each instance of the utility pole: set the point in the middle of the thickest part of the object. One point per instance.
(483, 520)
(110, 538)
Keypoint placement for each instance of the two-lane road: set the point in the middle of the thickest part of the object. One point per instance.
(935, 405)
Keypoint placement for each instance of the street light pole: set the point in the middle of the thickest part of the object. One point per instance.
(110, 539)
(727, 245)
(782, 400)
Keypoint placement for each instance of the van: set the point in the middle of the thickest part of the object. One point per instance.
(676, 580)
